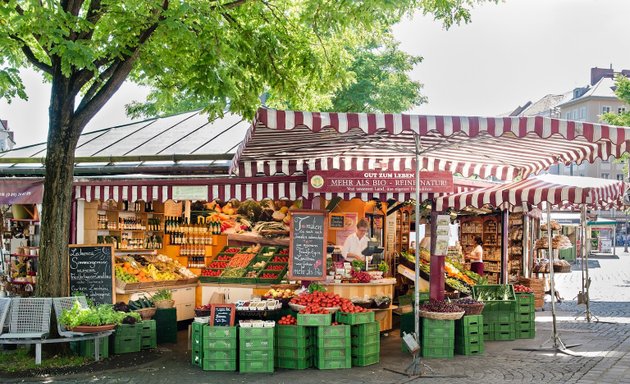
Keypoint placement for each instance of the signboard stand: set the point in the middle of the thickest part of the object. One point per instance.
(222, 315)
(92, 272)
(307, 248)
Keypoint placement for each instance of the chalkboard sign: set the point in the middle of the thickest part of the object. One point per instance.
(337, 221)
(92, 272)
(307, 250)
(222, 315)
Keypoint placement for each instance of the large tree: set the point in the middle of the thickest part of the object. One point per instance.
(222, 52)
(623, 119)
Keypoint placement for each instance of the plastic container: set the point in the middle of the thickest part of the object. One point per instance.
(367, 329)
(256, 366)
(354, 318)
(219, 332)
(318, 320)
(219, 365)
(295, 363)
(365, 360)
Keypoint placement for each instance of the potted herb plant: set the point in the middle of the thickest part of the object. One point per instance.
(94, 319)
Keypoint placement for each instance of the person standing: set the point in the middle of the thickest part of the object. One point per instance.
(476, 257)
(356, 243)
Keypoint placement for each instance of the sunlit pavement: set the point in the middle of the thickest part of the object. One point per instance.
(602, 355)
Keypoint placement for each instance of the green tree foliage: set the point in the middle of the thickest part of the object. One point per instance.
(381, 82)
(224, 53)
(621, 119)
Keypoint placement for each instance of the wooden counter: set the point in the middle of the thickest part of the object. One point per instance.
(383, 287)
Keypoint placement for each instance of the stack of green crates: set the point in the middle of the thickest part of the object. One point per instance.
(525, 316)
(127, 338)
(148, 336)
(166, 325)
(294, 346)
(333, 347)
(196, 355)
(498, 315)
(438, 338)
(218, 348)
(256, 350)
(469, 335)
(85, 348)
(365, 344)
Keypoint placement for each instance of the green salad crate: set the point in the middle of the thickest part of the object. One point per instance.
(196, 357)
(219, 343)
(496, 297)
(437, 352)
(296, 331)
(366, 330)
(148, 334)
(309, 320)
(526, 299)
(525, 317)
(219, 354)
(294, 353)
(526, 333)
(256, 333)
(257, 354)
(366, 349)
(257, 343)
(504, 336)
(294, 342)
(127, 338)
(432, 328)
(333, 363)
(219, 365)
(354, 318)
(85, 348)
(365, 360)
(469, 349)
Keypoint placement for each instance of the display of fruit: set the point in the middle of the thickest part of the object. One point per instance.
(224, 257)
(253, 249)
(518, 288)
(259, 265)
(232, 250)
(284, 251)
(314, 309)
(233, 272)
(467, 301)
(440, 306)
(275, 267)
(287, 320)
(211, 272)
(251, 274)
(351, 308)
(280, 259)
(218, 265)
(322, 299)
(279, 294)
(360, 276)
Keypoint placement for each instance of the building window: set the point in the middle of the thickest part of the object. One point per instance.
(575, 114)
(620, 176)
(621, 110)
(583, 113)
(605, 175)
(605, 109)
(567, 116)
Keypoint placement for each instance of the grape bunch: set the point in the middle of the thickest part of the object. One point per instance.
(362, 277)
(440, 306)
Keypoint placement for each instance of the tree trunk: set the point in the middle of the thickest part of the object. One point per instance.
(63, 136)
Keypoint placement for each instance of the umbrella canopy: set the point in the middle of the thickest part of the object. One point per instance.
(553, 189)
(289, 142)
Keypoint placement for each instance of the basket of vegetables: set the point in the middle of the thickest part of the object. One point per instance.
(470, 306)
(440, 310)
(144, 307)
(163, 299)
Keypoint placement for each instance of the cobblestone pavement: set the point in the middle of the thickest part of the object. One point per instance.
(603, 355)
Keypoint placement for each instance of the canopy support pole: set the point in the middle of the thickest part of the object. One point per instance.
(586, 280)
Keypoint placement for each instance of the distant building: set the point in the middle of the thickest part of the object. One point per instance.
(7, 141)
(585, 103)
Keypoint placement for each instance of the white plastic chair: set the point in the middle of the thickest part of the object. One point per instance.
(5, 304)
(29, 319)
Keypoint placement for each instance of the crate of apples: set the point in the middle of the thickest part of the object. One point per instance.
(211, 272)
(218, 265)
(287, 320)
(280, 259)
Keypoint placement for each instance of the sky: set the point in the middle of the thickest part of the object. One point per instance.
(510, 53)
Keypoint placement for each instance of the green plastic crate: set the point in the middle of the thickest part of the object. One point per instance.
(294, 353)
(85, 348)
(127, 345)
(526, 333)
(256, 366)
(478, 290)
(295, 363)
(437, 352)
(365, 360)
(469, 321)
(488, 332)
(333, 363)
(504, 327)
(470, 349)
(318, 320)
(258, 344)
(248, 354)
(196, 357)
(128, 330)
(294, 342)
(148, 327)
(499, 317)
(166, 325)
(468, 339)
(504, 336)
(209, 279)
(219, 354)
(530, 317)
(277, 280)
(524, 325)
(296, 331)
(370, 339)
(334, 331)
(333, 353)
(219, 343)
(438, 329)
(256, 333)
(525, 298)
(219, 365)
(354, 318)
(333, 342)
(365, 330)
(366, 349)
(219, 332)
(148, 342)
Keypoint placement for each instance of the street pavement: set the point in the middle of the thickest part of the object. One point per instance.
(602, 356)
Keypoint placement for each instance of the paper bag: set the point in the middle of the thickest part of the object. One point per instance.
(217, 298)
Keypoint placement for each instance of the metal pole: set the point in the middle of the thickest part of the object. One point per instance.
(416, 288)
(586, 280)
(552, 282)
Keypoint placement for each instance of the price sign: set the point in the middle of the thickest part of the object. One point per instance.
(91, 272)
(307, 250)
(222, 315)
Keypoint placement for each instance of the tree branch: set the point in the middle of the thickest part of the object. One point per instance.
(94, 14)
(30, 55)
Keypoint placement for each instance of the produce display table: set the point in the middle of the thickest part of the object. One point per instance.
(233, 292)
(383, 287)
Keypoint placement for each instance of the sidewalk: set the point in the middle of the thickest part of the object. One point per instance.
(603, 356)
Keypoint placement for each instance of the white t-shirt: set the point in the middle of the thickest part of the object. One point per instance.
(478, 252)
(354, 245)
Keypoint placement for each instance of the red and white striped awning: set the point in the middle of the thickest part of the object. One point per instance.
(561, 191)
(396, 196)
(289, 142)
(291, 188)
